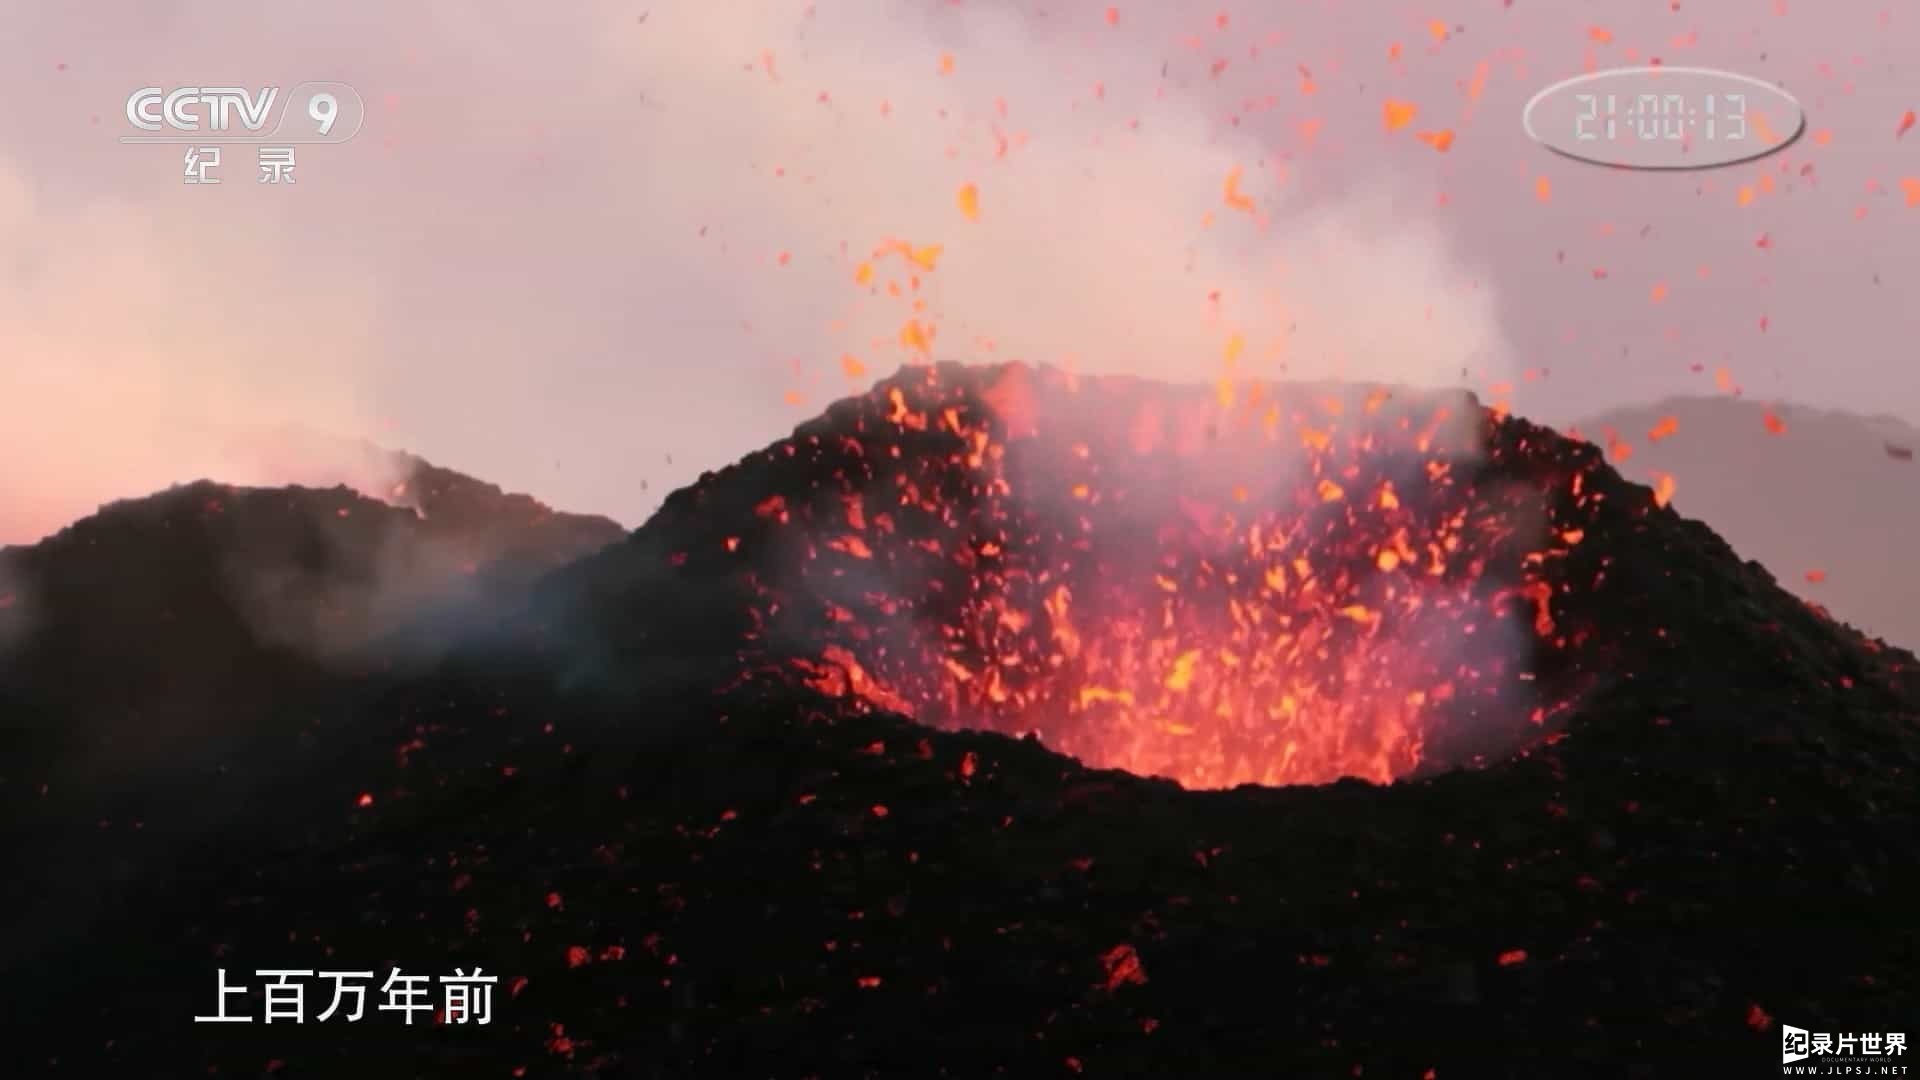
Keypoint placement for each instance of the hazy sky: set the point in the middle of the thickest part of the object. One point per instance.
(575, 238)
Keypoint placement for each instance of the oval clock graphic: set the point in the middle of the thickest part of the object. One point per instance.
(1664, 118)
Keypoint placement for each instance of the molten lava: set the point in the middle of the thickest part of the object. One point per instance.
(1265, 584)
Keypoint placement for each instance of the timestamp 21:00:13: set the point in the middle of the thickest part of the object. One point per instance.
(1664, 116)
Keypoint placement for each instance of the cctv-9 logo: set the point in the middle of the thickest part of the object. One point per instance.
(314, 112)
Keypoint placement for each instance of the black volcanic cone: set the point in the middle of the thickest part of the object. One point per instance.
(886, 529)
(155, 657)
(682, 861)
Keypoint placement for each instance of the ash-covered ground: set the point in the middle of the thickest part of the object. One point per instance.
(693, 842)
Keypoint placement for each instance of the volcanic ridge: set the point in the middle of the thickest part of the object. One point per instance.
(1818, 495)
(1570, 787)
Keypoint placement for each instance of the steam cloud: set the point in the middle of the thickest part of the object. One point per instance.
(1091, 249)
(134, 360)
(591, 257)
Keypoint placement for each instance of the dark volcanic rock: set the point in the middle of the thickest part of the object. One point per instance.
(167, 615)
(150, 652)
(1718, 838)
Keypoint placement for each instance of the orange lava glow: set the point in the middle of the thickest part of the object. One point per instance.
(1302, 585)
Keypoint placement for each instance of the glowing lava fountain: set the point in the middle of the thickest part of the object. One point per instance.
(1257, 584)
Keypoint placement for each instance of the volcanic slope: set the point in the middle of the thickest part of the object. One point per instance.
(1288, 585)
(1825, 498)
(264, 579)
(685, 822)
(149, 647)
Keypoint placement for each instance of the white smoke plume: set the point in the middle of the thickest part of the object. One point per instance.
(1104, 241)
(567, 247)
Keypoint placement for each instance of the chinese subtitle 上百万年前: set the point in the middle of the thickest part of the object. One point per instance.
(466, 998)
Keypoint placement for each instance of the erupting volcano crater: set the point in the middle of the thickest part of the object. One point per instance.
(677, 793)
(1250, 583)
